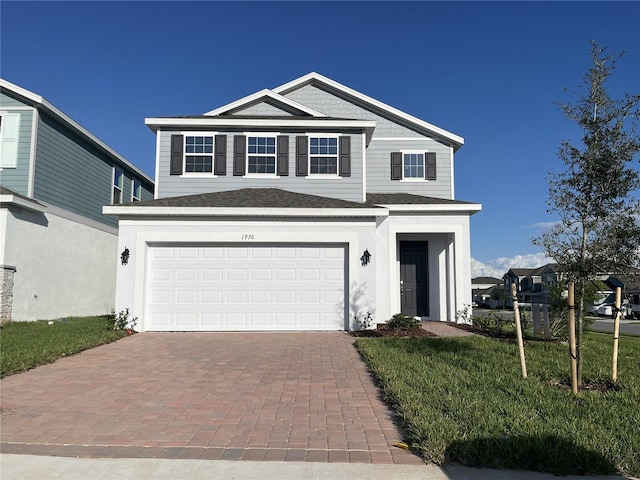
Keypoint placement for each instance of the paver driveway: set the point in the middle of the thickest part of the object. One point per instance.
(300, 396)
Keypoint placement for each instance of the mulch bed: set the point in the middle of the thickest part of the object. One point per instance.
(383, 331)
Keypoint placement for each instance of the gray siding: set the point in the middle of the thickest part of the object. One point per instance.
(346, 188)
(262, 109)
(17, 179)
(7, 101)
(379, 168)
(334, 106)
(74, 175)
(379, 151)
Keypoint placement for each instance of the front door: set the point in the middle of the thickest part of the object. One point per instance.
(413, 279)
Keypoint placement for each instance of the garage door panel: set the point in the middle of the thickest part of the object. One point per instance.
(212, 274)
(265, 287)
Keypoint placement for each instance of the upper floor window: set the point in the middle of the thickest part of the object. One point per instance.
(261, 155)
(136, 190)
(198, 156)
(323, 155)
(413, 165)
(118, 179)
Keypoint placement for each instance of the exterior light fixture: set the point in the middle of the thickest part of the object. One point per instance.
(365, 258)
(124, 256)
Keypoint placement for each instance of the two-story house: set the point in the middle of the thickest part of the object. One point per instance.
(57, 248)
(298, 208)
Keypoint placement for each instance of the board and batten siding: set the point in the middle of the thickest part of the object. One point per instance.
(17, 179)
(379, 168)
(345, 188)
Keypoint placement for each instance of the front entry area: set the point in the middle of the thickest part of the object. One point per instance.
(219, 287)
(414, 291)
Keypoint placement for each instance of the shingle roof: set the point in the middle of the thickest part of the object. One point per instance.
(409, 199)
(484, 280)
(252, 198)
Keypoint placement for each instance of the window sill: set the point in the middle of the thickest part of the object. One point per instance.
(321, 176)
(261, 175)
(414, 180)
(198, 175)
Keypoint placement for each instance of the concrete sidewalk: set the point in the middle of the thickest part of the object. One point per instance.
(28, 467)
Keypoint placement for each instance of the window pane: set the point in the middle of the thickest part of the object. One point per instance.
(413, 165)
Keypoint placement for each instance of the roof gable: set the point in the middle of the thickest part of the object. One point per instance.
(280, 102)
(318, 80)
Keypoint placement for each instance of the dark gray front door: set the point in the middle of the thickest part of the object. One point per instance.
(413, 278)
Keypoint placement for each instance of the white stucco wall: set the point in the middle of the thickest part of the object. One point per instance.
(63, 267)
(137, 235)
(373, 288)
(449, 254)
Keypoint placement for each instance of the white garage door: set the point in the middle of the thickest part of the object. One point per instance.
(229, 287)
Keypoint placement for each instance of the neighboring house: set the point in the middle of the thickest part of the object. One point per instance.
(519, 278)
(482, 288)
(298, 208)
(57, 248)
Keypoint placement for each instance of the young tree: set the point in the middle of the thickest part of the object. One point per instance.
(599, 230)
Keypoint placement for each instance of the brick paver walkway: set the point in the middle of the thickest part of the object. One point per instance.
(254, 396)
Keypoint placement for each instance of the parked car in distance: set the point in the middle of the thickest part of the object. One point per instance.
(608, 310)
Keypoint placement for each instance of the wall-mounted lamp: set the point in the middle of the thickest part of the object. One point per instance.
(124, 256)
(365, 258)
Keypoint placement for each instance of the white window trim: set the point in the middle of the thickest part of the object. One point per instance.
(186, 174)
(133, 191)
(323, 176)
(273, 135)
(114, 186)
(424, 166)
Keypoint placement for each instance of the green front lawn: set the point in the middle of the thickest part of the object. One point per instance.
(464, 400)
(24, 345)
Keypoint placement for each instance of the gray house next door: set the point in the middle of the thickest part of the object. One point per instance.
(413, 278)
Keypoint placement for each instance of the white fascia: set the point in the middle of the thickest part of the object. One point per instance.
(241, 212)
(282, 89)
(60, 115)
(9, 200)
(470, 208)
(265, 93)
(155, 123)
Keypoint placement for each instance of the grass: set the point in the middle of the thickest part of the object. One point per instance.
(24, 345)
(464, 400)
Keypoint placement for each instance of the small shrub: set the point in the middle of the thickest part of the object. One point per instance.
(492, 323)
(400, 321)
(121, 321)
(463, 315)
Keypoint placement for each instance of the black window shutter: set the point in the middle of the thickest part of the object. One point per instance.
(302, 156)
(176, 154)
(239, 154)
(396, 165)
(283, 155)
(345, 156)
(431, 165)
(220, 167)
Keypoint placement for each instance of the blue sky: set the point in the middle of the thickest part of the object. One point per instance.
(487, 71)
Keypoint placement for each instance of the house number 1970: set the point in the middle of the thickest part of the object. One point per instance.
(247, 237)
